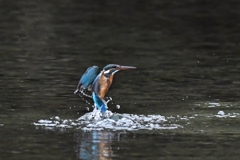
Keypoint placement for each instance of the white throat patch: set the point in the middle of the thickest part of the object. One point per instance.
(107, 71)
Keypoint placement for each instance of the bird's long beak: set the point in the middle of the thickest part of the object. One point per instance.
(127, 67)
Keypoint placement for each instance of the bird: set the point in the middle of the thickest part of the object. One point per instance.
(99, 83)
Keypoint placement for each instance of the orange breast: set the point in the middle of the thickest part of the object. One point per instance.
(105, 84)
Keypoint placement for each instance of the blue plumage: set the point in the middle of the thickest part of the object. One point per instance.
(100, 103)
(88, 77)
(110, 66)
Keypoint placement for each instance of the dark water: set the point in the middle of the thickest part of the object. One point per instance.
(187, 55)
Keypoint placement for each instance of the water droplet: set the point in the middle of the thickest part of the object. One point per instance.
(118, 106)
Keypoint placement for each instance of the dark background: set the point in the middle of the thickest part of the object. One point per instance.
(186, 53)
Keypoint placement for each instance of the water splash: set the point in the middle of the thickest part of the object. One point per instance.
(95, 120)
(81, 91)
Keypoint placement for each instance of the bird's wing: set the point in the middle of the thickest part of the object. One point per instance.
(87, 78)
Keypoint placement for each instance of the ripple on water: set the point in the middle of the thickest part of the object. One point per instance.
(111, 121)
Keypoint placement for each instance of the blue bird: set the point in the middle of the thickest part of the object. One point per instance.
(99, 84)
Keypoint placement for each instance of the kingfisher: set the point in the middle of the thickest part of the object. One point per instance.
(99, 83)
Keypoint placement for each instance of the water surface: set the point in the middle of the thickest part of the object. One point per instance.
(186, 54)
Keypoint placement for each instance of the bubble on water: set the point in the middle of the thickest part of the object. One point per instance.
(221, 113)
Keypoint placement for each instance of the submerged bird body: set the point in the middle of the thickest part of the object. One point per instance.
(99, 84)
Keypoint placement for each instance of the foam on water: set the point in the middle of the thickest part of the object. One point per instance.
(95, 120)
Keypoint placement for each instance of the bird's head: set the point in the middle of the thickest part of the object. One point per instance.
(111, 69)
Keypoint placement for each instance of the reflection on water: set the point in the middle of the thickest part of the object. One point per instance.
(95, 145)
